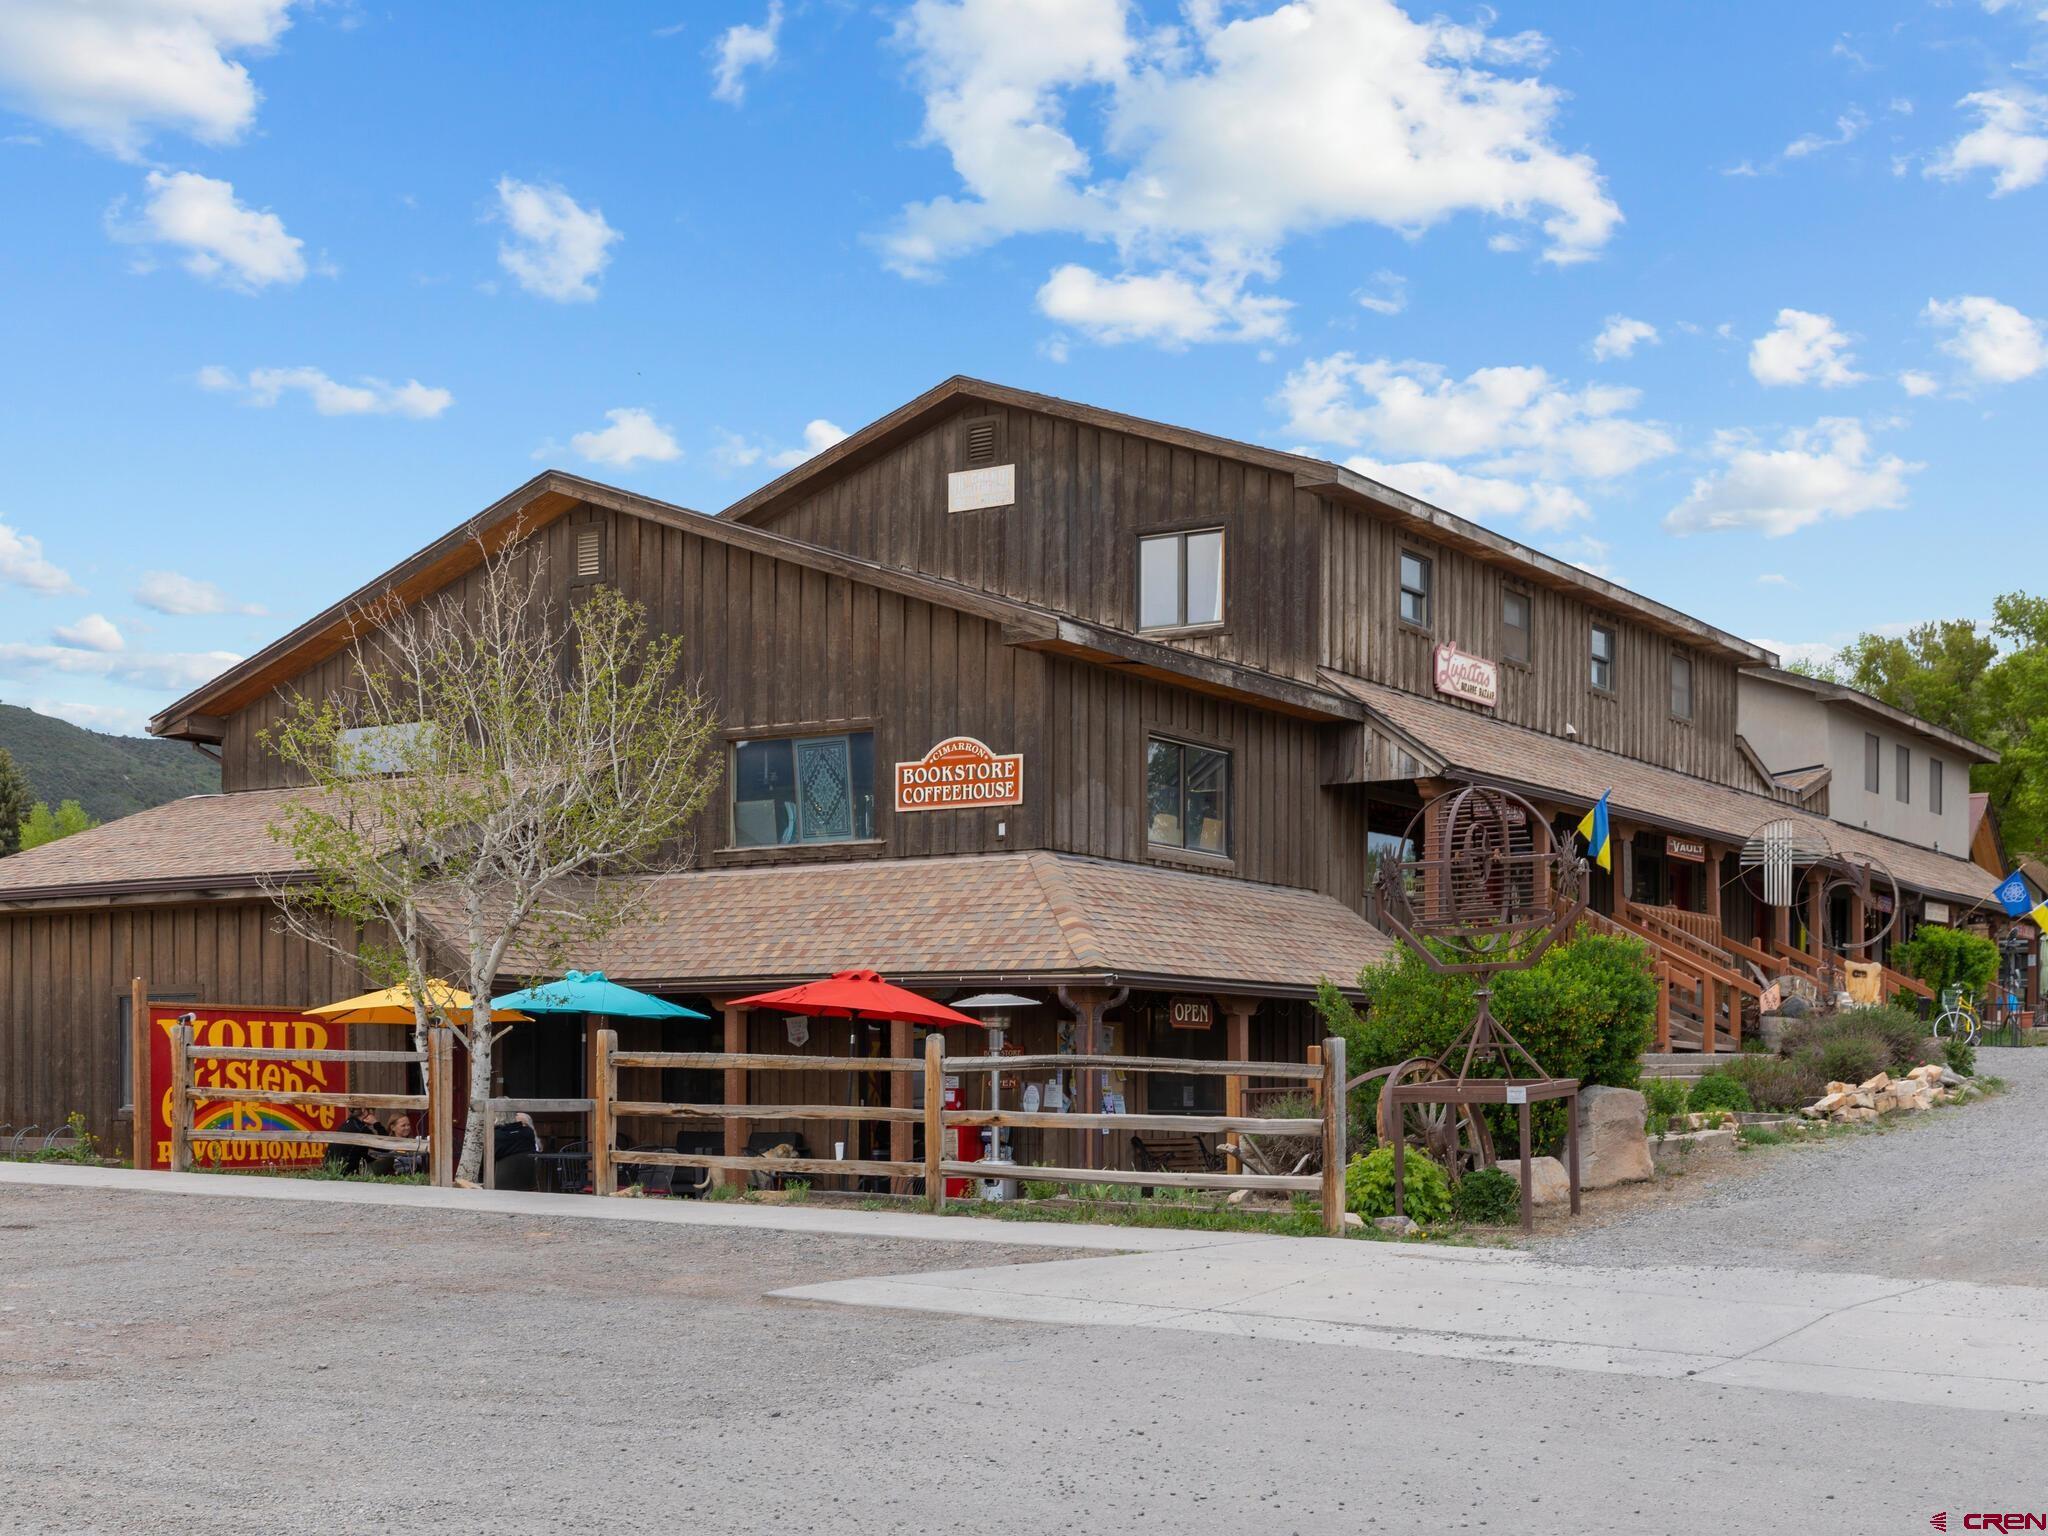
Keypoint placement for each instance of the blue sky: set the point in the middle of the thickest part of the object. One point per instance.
(1740, 304)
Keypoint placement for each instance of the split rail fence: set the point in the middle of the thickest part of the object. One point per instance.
(1324, 1074)
(436, 1105)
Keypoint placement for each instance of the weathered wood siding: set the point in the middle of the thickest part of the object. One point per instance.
(1364, 635)
(64, 974)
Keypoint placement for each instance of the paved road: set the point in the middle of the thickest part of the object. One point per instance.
(170, 1362)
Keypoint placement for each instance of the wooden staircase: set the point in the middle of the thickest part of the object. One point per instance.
(1702, 992)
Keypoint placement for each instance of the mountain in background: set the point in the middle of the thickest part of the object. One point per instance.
(109, 775)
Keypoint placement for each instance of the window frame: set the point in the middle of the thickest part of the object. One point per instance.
(1902, 770)
(1681, 658)
(1594, 660)
(1873, 764)
(843, 730)
(1526, 629)
(1935, 786)
(1183, 849)
(1427, 591)
(1183, 625)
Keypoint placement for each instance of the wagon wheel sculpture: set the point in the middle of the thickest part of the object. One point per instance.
(1454, 1135)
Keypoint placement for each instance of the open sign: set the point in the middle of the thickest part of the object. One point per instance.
(1190, 1013)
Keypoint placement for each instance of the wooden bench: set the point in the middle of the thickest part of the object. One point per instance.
(1167, 1152)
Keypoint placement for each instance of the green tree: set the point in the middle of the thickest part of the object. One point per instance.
(1936, 671)
(1949, 957)
(15, 798)
(46, 826)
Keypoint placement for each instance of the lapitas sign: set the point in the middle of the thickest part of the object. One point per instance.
(1464, 676)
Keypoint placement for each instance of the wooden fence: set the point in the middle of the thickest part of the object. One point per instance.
(436, 1105)
(1326, 1077)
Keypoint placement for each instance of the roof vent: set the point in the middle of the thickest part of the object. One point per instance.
(983, 441)
(589, 553)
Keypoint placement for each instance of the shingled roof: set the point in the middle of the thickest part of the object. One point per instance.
(1476, 746)
(1006, 917)
(201, 842)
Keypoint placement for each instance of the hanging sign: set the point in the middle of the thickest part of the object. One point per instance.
(1936, 912)
(960, 774)
(1686, 848)
(1190, 1013)
(267, 1027)
(1464, 676)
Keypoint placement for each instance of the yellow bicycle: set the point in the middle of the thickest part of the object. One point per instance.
(1958, 1019)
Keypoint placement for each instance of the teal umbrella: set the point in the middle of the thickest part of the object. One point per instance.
(591, 992)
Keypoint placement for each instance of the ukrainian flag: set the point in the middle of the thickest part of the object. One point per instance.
(1594, 831)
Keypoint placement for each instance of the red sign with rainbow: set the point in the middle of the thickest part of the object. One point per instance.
(276, 1028)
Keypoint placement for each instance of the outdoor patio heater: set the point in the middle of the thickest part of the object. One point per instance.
(995, 1010)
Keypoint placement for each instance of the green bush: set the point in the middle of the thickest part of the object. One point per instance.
(1948, 957)
(1488, 1197)
(1902, 1030)
(1369, 1186)
(1664, 1098)
(1718, 1090)
(1778, 1082)
(1961, 1056)
(1847, 1057)
(1585, 1010)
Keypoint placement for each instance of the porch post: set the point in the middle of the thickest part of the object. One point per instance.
(902, 1134)
(735, 1090)
(1816, 942)
(1624, 869)
(1237, 1039)
(1710, 876)
(1088, 1005)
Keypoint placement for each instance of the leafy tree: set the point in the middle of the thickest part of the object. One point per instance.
(1935, 671)
(491, 773)
(46, 826)
(1949, 957)
(15, 798)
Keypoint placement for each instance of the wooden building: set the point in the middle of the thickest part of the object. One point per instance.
(1228, 675)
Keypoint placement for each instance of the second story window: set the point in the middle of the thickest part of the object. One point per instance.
(1187, 796)
(1873, 762)
(1600, 654)
(1180, 579)
(1416, 578)
(1514, 626)
(1681, 685)
(791, 790)
(1904, 787)
(1934, 785)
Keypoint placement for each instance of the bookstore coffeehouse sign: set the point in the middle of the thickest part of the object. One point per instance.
(960, 774)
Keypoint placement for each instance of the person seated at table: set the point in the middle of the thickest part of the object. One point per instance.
(513, 1145)
(398, 1162)
(351, 1160)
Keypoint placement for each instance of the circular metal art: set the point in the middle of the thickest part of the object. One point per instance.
(1777, 859)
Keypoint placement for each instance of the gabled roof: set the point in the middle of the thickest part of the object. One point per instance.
(200, 843)
(199, 716)
(1874, 708)
(1313, 474)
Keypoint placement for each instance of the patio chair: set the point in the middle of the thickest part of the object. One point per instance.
(1169, 1152)
(696, 1181)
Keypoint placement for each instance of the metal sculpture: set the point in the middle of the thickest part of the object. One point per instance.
(1783, 854)
(1493, 889)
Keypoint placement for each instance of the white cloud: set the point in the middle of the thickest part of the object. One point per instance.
(23, 564)
(740, 49)
(1811, 653)
(1589, 554)
(1918, 384)
(180, 670)
(1537, 504)
(1995, 341)
(1169, 308)
(1388, 294)
(1510, 420)
(558, 247)
(2010, 140)
(1773, 579)
(368, 397)
(111, 718)
(94, 632)
(115, 72)
(633, 435)
(222, 239)
(1220, 141)
(1621, 336)
(183, 596)
(1827, 470)
(1805, 348)
(736, 452)
(1847, 127)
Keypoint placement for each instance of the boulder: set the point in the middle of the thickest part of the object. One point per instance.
(1951, 1078)
(1612, 1147)
(1400, 1226)
(1353, 1219)
(1548, 1182)
(1884, 1103)
(1877, 1084)
(1929, 1072)
(1841, 1087)
(1855, 1113)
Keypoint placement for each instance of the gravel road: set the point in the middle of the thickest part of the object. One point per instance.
(1957, 1193)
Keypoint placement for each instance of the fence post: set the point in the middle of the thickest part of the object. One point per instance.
(1662, 971)
(1315, 1087)
(138, 1072)
(440, 1107)
(181, 1099)
(934, 1120)
(1333, 1135)
(604, 1092)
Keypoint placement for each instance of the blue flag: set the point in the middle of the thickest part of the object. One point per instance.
(2014, 896)
(1594, 830)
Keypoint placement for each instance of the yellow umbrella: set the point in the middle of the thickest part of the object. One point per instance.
(393, 1005)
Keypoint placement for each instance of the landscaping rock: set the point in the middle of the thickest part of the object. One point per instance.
(1612, 1148)
(1855, 1114)
(1930, 1072)
(1951, 1078)
(1353, 1219)
(1401, 1226)
(1674, 1154)
(1548, 1182)
(1877, 1084)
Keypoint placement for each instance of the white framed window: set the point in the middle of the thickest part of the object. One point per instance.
(1180, 579)
(1515, 624)
(1681, 685)
(1418, 582)
(1187, 796)
(1600, 656)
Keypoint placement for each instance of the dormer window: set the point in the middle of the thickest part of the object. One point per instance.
(1180, 579)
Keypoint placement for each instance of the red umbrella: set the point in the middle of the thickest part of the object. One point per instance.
(856, 995)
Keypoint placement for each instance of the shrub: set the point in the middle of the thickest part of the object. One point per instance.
(1948, 957)
(1852, 1058)
(1369, 1186)
(1902, 1030)
(1718, 1090)
(1486, 1196)
(1778, 1082)
(1961, 1056)
(1664, 1098)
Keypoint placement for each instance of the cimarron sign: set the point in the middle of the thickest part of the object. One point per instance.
(1465, 676)
(961, 773)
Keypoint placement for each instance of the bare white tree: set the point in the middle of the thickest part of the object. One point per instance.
(492, 780)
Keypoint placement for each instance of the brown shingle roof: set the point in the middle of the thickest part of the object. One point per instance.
(986, 917)
(1477, 746)
(198, 841)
